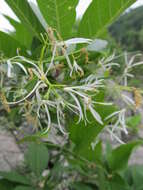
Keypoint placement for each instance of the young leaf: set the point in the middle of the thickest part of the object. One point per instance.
(37, 157)
(59, 15)
(99, 15)
(118, 158)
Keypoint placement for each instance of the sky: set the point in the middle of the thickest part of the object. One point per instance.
(83, 4)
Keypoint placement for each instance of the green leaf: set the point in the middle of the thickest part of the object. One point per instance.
(24, 188)
(118, 158)
(14, 177)
(136, 173)
(99, 15)
(37, 158)
(83, 135)
(134, 121)
(8, 45)
(102, 182)
(118, 183)
(24, 12)
(21, 34)
(95, 154)
(57, 170)
(59, 15)
(111, 182)
(30, 84)
(37, 137)
(80, 186)
(5, 184)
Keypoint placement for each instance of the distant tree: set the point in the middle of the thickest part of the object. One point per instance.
(128, 30)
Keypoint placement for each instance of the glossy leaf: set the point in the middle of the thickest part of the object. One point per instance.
(99, 15)
(59, 15)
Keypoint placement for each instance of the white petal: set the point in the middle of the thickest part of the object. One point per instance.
(28, 95)
(102, 103)
(49, 117)
(52, 59)
(30, 62)
(77, 41)
(9, 74)
(21, 66)
(86, 114)
(115, 136)
(68, 60)
(130, 75)
(137, 64)
(78, 105)
(111, 115)
(59, 123)
(95, 115)
(36, 73)
(128, 100)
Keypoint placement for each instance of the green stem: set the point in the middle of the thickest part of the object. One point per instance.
(58, 58)
(48, 82)
(61, 57)
(42, 53)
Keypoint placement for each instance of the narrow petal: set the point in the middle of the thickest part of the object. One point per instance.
(95, 115)
(28, 95)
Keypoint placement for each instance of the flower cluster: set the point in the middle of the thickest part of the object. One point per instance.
(77, 96)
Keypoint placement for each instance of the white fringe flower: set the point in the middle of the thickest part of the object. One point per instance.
(120, 124)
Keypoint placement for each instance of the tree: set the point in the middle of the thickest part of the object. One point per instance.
(127, 30)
